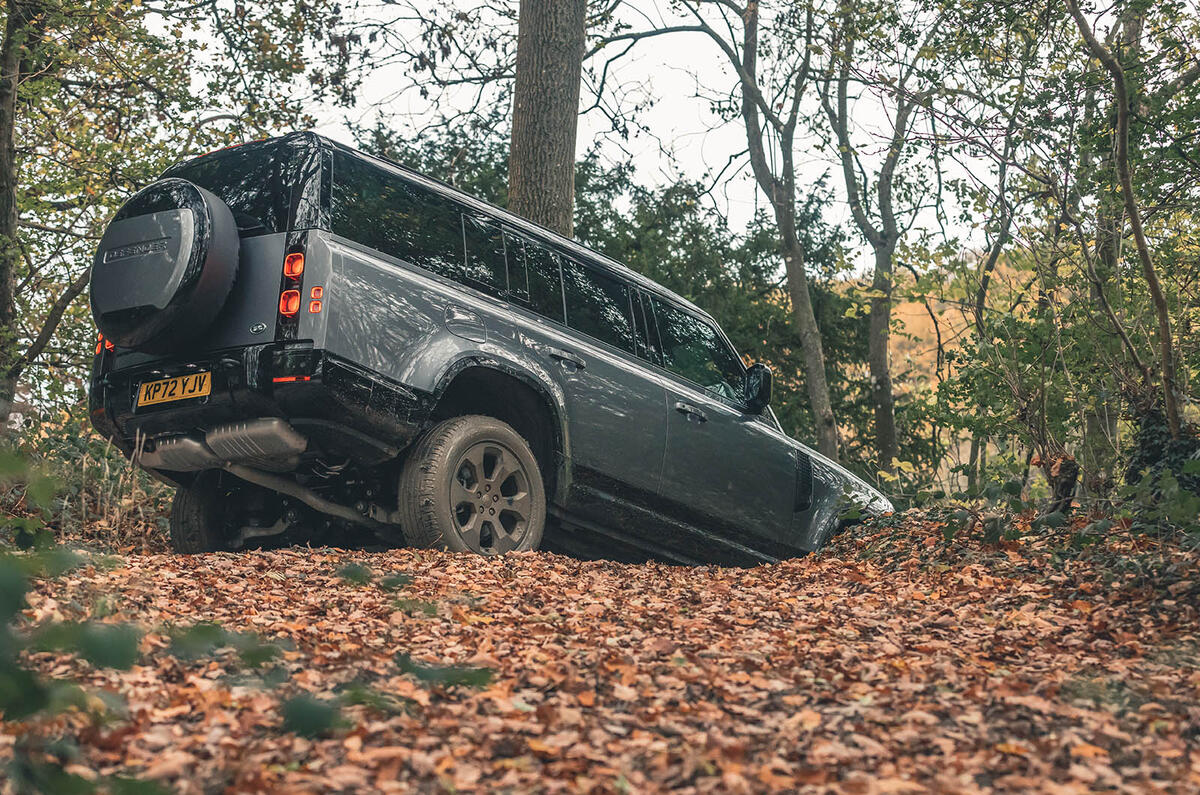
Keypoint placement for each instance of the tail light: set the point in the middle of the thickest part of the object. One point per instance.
(104, 345)
(290, 297)
(289, 302)
(293, 265)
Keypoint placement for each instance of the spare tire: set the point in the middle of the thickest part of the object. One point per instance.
(164, 267)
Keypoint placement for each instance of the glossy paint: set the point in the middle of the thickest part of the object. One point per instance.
(640, 469)
(712, 463)
(636, 460)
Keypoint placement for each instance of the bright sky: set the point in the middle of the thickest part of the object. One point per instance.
(682, 137)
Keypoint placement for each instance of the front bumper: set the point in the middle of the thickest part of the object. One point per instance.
(343, 409)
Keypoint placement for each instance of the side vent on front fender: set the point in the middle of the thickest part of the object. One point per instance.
(804, 482)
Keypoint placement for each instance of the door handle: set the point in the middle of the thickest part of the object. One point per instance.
(566, 358)
(690, 411)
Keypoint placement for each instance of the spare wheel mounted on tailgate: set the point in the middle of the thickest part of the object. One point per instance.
(164, 267)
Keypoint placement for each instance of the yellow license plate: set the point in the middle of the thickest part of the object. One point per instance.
(181, 387)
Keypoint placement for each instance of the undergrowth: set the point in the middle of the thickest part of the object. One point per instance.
(102, 501)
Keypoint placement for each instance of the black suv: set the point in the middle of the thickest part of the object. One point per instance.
(304, 338)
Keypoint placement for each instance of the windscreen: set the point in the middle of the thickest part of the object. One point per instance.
(247, 178)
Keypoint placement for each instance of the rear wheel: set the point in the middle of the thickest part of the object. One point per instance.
(218, 511)
(471, 484)
(202, 514)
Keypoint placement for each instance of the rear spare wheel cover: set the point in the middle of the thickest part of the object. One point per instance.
(164, 266)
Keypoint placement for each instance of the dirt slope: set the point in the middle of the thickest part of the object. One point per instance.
(895, 662)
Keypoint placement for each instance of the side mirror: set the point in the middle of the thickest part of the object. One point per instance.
(756, 388)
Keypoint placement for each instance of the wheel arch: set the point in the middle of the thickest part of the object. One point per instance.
(533, 406)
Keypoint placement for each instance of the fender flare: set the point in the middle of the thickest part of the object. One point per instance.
(542, 385)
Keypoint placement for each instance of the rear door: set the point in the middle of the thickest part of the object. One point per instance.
(721, 461)
(614, 404)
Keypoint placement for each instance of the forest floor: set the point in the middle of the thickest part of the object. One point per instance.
(897, 660)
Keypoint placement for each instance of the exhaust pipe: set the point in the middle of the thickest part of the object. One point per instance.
(268, 443)
(253, 450)
(307, 496)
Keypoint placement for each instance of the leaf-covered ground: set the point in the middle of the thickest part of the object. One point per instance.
(895, 661)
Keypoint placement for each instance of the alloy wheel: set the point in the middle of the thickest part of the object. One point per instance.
(489, 499)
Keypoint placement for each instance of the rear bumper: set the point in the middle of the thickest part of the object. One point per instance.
(343, 409)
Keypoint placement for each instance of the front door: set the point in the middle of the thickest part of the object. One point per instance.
(721, 461)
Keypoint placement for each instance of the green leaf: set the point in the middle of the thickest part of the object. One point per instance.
(110, 645)
(257, 653)
(309, 716)
(449, 675)
(50, 777)
(992, 528)
(116, 785)
(21, 693)
(13, 587)
(103, 645)
(414, 606)
(362, 694)
(1056, 519)
(198, 640)
(394, 582)
(355, 574)
(53, 562)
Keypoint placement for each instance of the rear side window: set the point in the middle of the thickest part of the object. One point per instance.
(597, 305)
(383, 211)
(534, 278)
(693, 349)
(247, 179)
(486, 263)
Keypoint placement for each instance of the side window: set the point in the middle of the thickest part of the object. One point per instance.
(518, 276)
(597, 305)
(534, 277)
(545, 281)
(693, 349)
(385, 212)
(485, 263)
(644, 330)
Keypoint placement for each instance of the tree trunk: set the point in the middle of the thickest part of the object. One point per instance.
(1125, 173)
(541, 169)
(1062, 473)
(882, 400)
(1097, 454)
(812, 350)
(973, 463)
(780, 189)
(18, 34)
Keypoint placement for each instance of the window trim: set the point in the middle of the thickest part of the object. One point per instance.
(555, 248)
(279, 151)
(526, 302)
(504, 292)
